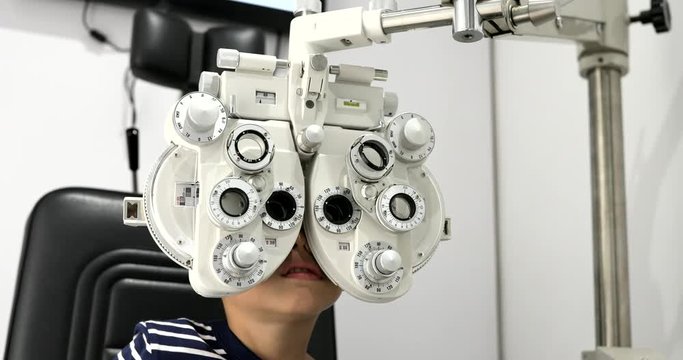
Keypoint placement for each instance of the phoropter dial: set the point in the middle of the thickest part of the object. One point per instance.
(199, 117)
(234, 203)
(371, 157)
(284, 208)
(238, 261)
(378, 267)
(411, 137)
(400, 208)
(336, 211)
(251, 148)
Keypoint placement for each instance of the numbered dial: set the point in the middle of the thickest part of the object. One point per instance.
(251, 148)
(199, 118)
(234, 203)
(336, 211)
(377, 267)
(411, 137)
(400, 208)
(284, 208)
(238, 260)
(372, 158)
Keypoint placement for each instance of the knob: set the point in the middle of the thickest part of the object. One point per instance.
(245, 255)
(388, 262)
(659, 15)
(416, 134)
(307, 7)
(227, 59)
(202, 113)
(390, 5)
(199, 118)
(310, 139)
(210, 83)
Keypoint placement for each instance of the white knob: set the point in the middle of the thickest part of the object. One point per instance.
(304, 7)
(228, 59)
(311, 137)
(202, 113)
(210, 83)
(388, 262)
(383, 5)
(246, 254)
(416, 134)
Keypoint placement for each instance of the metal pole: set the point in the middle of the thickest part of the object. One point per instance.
(426, 17)
(610, 251)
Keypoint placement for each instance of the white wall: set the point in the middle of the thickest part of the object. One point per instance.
(545, 199)
(63, 100)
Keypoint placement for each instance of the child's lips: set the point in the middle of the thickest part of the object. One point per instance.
(302, 271)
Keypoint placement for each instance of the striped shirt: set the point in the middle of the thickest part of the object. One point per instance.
(184, 339)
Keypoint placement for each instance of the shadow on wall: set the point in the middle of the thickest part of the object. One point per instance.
(658, 237)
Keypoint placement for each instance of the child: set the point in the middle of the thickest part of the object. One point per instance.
(273, 320)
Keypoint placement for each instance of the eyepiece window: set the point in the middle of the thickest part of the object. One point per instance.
(252, 146)
(374, 155)
(338, 209)
(281, 206)
(234, 202)
(402, 206)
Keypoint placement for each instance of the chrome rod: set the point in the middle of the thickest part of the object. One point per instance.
(610, 250)
(419, 18)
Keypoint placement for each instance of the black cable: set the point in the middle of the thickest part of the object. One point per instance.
(132, 133)
(97, 34)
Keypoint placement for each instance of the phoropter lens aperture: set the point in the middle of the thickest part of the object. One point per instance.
(281, 206)
(338, 209)
(374, 155)
(402, 206)
(234, 202)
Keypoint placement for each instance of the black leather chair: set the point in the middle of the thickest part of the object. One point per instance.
(85, 279)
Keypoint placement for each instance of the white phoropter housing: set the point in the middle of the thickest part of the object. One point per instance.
(228, 198)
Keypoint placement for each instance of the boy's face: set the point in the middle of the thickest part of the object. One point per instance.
(298, 288)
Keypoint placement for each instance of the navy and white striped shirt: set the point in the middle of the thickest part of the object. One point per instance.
(184, 339)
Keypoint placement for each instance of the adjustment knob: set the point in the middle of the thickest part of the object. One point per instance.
(411, 136)
(388, 262)
(202, 113)
(390, 5)
(245, 255)
(310, 139)
(199, 117)
(659, 15)
(415, 134)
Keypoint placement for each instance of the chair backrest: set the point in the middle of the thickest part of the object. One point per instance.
(85, 279)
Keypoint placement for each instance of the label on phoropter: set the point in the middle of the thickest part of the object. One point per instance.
(264, 97)
(186, 194)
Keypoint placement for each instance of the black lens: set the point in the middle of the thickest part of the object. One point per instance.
(402, 207)
(338, 209)
(234, 202)
(374, 155)
(281, 206)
